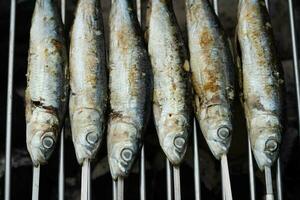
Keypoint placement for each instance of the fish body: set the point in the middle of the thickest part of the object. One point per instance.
(172, 91)
(47, 81)
(88, 80)
(212, 69)
(130, 88)
(261, 81)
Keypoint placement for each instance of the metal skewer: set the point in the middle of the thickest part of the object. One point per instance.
(142, 157)
(295, 55)
(142, 176)
(269, 186)
(115, 190)
(10, 98)
(227, 193)
(36, 183)
(278, 180)
(86, 181)
(177, 187)
(251, 172)
(196, 165)
(61, 172)
(120, 190)
(169, 180)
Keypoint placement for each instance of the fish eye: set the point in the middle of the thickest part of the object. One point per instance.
(179, 142)
(271, 145)
(92, 138)
(223, 132)
(126, 154)
(48, 142)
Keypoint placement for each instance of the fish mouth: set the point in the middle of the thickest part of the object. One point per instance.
(174, 146)
(218, 148)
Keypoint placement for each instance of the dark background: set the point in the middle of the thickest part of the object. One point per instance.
(155, 161)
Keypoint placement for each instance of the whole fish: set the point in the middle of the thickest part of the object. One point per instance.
(88, 80)
(172, 89)
(130, 88)
(261, 81)
(212, 69)
(47, 81)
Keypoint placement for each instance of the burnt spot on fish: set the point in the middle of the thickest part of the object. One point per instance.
(255, 102)
(133, 78)
(115, 115)
(123, 39)
(48, 108)
(205, 38)
(211, 85)
(57, 44)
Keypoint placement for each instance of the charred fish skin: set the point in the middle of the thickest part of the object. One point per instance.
(88, 80)
(47, 81)
(262, 83)
(130, 88)
(172, 90)
(212, 69)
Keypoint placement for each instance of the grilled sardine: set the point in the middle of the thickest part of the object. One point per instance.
(47, 82)
(261, 81)
(212, 69)
(172, 94)
(88, 79)
(130, 88)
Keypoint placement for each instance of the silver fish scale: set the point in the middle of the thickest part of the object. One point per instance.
(130, 87)
(47, 81)
(88, 79)
(262, 90)
(212, 74)
(46, 60)
(172, 95)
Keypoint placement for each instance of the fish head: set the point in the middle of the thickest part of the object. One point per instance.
(123, 145)
(266, 147)
(265, 137)
(174, 136)
(216, 126)
(218, 138)
(87, 131)
(41, 135)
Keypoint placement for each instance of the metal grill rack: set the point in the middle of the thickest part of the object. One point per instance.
(173, 174)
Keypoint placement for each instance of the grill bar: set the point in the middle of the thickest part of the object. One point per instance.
(142, 175)
(169, 180)
(142, 156)
(173, 175)
(278, 180)
(10, 98)
(251, 172)
(197, 178)
(295, 54)
(61, 172)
